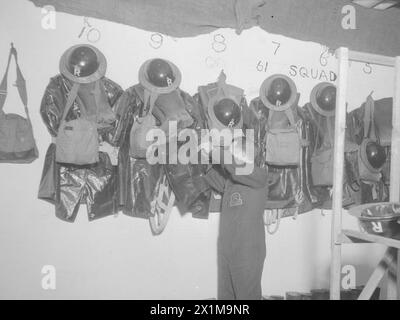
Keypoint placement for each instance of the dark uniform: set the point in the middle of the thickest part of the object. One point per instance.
(241, 241)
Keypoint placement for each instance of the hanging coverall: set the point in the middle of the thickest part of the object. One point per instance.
(241, 240)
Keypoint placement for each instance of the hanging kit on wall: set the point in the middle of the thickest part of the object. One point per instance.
(372, 156)
(283, 142)
(322, 102)
(17, 143)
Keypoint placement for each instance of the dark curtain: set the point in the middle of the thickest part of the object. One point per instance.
(309, 20)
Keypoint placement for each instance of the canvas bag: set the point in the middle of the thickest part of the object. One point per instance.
(17, 144)
(322, 157)
(140, 128)
(77, 140)
(142, 125)
(283, 145)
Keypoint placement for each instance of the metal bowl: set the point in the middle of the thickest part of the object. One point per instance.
(382, 219)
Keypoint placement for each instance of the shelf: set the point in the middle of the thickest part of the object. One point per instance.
(352, 236)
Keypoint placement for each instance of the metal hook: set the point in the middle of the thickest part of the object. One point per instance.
(13, 50)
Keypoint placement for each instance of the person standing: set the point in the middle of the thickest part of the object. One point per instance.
(241, 239)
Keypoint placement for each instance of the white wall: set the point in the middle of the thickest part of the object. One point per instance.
(117, 257)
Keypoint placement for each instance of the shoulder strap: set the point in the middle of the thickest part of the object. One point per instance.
(148, 98)
(97, 94)
(70, 101)
(317, 142)
(369, 126)
(3, 85)
(290, 115)
(314, 120)
(202, 90)
(288, 112)
(329, 128)
(20, 83)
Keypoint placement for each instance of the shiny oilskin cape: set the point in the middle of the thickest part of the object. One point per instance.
(137, 186)
(372, 191)
(288, 187)
(68, 186)
(318, 127)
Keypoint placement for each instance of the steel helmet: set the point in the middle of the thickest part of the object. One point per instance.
(375, 154)
(278, 92)
(323, 99)
(160, 73)
(83, 63)
(159, 76)
(227, 112)
(326, 98)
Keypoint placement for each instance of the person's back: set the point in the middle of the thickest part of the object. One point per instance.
(241, 241)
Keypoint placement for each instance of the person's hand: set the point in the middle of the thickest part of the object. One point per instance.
(205, 149)
(239, 152)
(111, 151)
